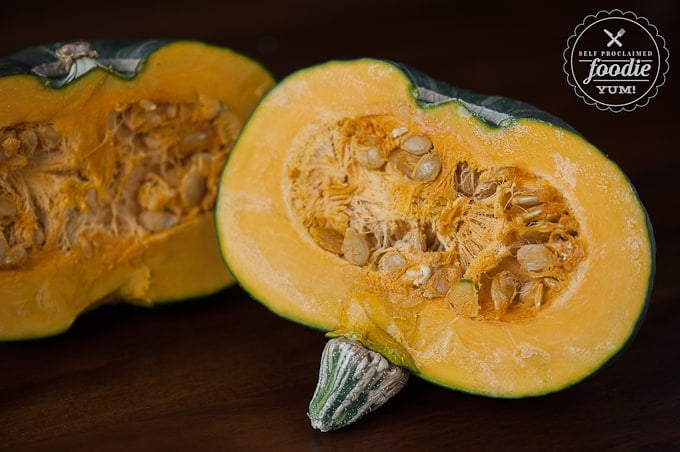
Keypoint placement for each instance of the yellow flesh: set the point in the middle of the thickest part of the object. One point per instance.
(107, 189)
(284, 258)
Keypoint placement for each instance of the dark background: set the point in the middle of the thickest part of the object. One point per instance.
(223, 373)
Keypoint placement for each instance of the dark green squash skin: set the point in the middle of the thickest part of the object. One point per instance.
(122, 58)
(496, 111)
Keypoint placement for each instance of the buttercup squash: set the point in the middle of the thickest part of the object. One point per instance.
(110, 154)
(475, 241)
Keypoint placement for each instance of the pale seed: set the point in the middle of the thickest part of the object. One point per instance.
(171, 110)
(370, 157)
(428, 168)
(418, 275)
(551, 283)
(355, 247)
(405, 168)
(532, 294)
(503, 289)
(391, 261)
(29, 141)
(210, 107)
(441, 280)
(194, 142)
(399, 131)
(533, 213)
(39, 236)
(49, 137)
(526, 200)
(154, 194)
(156, 221)
(147, 105)
(417, 144)
(535, 257)
(193, 188)
(466, 179)
(330, 240)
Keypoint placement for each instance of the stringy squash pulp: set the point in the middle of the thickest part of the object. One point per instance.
(506, 259)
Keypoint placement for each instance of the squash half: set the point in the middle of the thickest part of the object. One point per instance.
(475, 240)
(110, 154)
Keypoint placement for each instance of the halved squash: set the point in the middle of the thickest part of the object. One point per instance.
(476, 241)
(110, 154)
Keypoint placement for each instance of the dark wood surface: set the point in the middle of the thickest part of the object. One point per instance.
(223, 373)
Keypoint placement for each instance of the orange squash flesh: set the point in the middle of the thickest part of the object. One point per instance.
(93, 231)
(579, 326)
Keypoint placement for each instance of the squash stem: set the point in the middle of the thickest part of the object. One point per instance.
(353, 381)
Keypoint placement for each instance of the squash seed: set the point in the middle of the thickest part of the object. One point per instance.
(49, 137)
(147, 105)
(193, 188)
(466, 179)
(330, 240)
(532, 294)
(355, 247)
(427, 169)
(418, 275)
(417, 144)
(503, 290)
(391, 261)
(29, 142)
(196, 141)
(533, 213)
(526, 200)
(370, 157)
(399, 131)
(535, 257)
(156, 221)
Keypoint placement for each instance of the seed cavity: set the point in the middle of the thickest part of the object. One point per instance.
(424, 223)
(157, 167)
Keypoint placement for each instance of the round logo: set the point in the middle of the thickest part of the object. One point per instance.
(616, 61)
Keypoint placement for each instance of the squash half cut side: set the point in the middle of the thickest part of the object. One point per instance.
(476, 241)
(110, 155)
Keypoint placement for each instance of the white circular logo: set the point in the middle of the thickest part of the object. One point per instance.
(616, 61)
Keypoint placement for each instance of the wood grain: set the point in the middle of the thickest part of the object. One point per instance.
(223, 373)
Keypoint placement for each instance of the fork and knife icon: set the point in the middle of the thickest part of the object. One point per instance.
(614, 38)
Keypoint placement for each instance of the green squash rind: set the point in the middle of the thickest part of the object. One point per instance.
(122, 58)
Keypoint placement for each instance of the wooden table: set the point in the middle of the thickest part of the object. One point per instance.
(223, 373)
